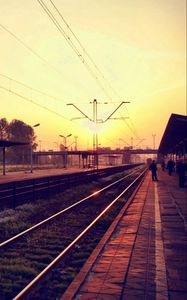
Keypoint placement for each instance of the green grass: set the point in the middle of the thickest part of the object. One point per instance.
(17, 270)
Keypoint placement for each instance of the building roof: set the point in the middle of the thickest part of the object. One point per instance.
(174, 134)
(5, 143)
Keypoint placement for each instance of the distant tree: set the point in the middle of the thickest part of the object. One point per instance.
(4, 129)
(21, 132)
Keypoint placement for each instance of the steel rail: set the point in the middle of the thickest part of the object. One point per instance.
(62, 211)
(56, 260)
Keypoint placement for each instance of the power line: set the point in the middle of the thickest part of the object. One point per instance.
(92, 61)
(82, 47)
(70, 42)
(33, 102)
(31, 88)
(72, 45)
(33, 52)
(30, 49)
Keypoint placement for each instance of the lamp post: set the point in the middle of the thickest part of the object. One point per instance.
(31, 154)
(65, 148)
(57, 145)
(75, 137)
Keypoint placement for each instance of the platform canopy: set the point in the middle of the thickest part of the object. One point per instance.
(6, 143)
(175, 135)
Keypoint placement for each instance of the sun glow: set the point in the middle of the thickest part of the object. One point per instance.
(143, 62)
(92, 127)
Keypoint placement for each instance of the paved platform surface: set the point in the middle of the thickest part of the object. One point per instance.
(21, 175)
(143, 255)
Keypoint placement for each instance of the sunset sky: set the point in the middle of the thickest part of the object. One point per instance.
(138, 54)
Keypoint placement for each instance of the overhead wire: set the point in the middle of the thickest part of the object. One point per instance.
(68, 39)
(74, 48)
(45, 61)
(32, 89)
(34, 102)
(80, 44)
(94, 64)
(56, 23)
(30, 49)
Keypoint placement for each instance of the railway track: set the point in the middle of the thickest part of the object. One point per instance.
(35, 251)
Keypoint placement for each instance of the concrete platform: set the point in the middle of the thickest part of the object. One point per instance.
(143, 255)
(22, 175)
(37, 173)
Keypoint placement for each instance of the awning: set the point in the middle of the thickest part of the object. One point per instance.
(175, 133)
(6, 143)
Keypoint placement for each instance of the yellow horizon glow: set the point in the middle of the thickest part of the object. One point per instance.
(140, 47)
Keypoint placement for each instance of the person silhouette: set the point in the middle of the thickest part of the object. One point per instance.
(163, 165)
(170, 167)
(181, 172)
(153, 169)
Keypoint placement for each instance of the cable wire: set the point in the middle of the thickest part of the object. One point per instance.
(31, 88)
(70, 42)
(30, 49)
(74, 48)
(34, 102)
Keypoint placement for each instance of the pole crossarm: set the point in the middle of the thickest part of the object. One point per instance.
(121, 118)
(140, 141)
(78, 118)
(123, 102)
(80, 111)
(95, 120)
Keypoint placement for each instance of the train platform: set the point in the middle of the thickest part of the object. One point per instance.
(23, 175)
(46, 172)
(143, 255)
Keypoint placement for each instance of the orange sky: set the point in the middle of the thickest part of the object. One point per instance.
(138, 45)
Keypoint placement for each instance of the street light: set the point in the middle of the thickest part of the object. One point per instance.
(65, 148)
(31, 154)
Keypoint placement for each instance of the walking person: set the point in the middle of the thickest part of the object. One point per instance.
(170, 167)
(163, 165)
(181, 169)
(153, 169)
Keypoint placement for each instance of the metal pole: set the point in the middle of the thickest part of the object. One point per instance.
(31, 158)
(95, 140)
(76, 137)
(132, 142)
(153, 135)
(31, 154)
(4, 171)
(79, 161)
(95, 121)
(65, 157)
(65, 149)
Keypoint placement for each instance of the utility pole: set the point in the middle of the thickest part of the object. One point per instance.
(96, 121)
(31, 151)
(65, 149)
(75, 137)
(154, 135)
(132, 142)
(95, 135)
